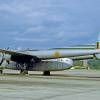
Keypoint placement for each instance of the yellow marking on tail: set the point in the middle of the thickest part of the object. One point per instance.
(98, 45)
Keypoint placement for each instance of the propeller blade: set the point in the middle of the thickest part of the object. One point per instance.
(1, 61)
(4, 58)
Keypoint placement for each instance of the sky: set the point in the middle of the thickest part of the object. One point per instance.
(39, 24)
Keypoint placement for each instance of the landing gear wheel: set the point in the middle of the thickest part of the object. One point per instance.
(46, 73)
(1, 71)
(23, 72)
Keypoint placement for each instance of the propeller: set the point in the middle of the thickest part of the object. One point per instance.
(2, 58)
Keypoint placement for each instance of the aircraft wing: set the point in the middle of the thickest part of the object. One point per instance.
(18, 54)
(82, 57)
(10, 52)
(51, 54)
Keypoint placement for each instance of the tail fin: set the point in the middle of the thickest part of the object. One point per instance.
(98, 45)
(98, 42)
(97, 56)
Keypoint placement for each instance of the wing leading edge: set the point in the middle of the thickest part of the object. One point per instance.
(11, 52)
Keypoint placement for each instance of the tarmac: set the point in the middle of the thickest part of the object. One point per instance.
(62, 85)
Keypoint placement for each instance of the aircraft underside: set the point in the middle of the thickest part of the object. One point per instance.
(45, 65)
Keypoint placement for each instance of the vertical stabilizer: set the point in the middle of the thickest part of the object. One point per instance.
(98, 45)
(97, 56)
(98, 42)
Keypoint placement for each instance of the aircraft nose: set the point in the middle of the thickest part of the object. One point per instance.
(68, 61)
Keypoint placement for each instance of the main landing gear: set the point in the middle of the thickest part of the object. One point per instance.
(46, 73)
(1, 71)
(23, 72)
